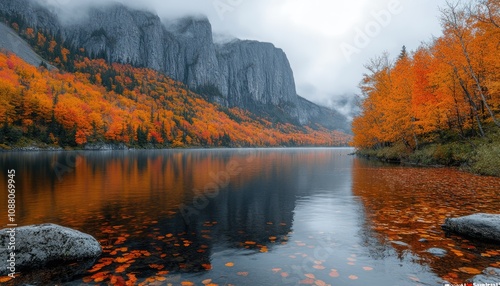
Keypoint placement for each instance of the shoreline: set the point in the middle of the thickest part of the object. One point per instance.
(479, 159)
(126, 148)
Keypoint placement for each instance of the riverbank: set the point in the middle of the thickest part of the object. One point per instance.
(32, 145)
(477, 155)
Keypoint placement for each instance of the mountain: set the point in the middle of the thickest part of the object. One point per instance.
(251, 75)
(12, 42)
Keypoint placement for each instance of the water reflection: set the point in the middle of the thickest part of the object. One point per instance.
(407, 206)
(251, 216)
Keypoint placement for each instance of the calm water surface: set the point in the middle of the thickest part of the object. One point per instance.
(255, 216)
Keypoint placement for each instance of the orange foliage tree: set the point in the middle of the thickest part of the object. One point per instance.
(450, 85)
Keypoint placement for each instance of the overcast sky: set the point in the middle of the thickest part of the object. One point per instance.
(327, 41)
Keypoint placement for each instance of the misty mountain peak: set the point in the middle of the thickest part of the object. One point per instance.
(248, 74)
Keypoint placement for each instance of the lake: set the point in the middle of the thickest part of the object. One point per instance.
(256, 216)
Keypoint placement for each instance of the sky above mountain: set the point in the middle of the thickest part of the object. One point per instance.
(328, 42)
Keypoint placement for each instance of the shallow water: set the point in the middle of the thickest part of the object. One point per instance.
(256, 216)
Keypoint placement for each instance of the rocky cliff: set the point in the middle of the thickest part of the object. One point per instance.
(252, 75)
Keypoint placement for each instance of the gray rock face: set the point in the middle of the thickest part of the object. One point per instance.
(10, 41)
(481, 226)
(38, 245)
(246, 74)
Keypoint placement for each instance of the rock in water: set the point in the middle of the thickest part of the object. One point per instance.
(489, 276)
(481, 226)
(38, 245)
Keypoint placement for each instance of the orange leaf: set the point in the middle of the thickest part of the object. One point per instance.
(229, 264)
(334, 274)
(319, 267)
(320, 283)
(367, 268)
(187, 283)
(310, 275)
(353, 277)
(4, 279)
(276, 270)
(307, 281)
(469, 270)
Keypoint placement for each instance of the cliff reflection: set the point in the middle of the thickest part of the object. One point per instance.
(133, 201)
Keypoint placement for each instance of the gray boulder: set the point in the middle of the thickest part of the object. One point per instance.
(490, 276)
(39, 245)
(480, 226)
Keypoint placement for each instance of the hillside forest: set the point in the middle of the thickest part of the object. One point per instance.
(439, 104)
(87, 100)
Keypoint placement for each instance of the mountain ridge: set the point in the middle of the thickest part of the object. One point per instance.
(248, 74)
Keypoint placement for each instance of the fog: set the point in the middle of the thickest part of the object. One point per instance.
(327, 41)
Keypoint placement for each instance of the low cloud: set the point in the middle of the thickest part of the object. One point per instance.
(311, 33)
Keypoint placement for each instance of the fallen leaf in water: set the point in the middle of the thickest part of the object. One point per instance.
(160, 273)
(353, 277)
(99, 277)
(95, 268)
(207, 266)
(284, 274)
(334, 274)
(187, 283)
(310, 275)
(250, 242)
(169, 235)
(206, 281)
(160, 278)
(469, 270)
(319, 267)
(157, 266)
(453, 275)
(4, 279)
(131, 279)
(244, 274)
(121, 259)
(117, 281)
(122, 268)
(367, 268)
(320, 283)
(276, 270)
(272, 238)
(307, 281)
(263, 249)
(229, 264)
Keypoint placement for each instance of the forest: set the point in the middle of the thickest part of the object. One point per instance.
(439, 104)
(92, 101)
